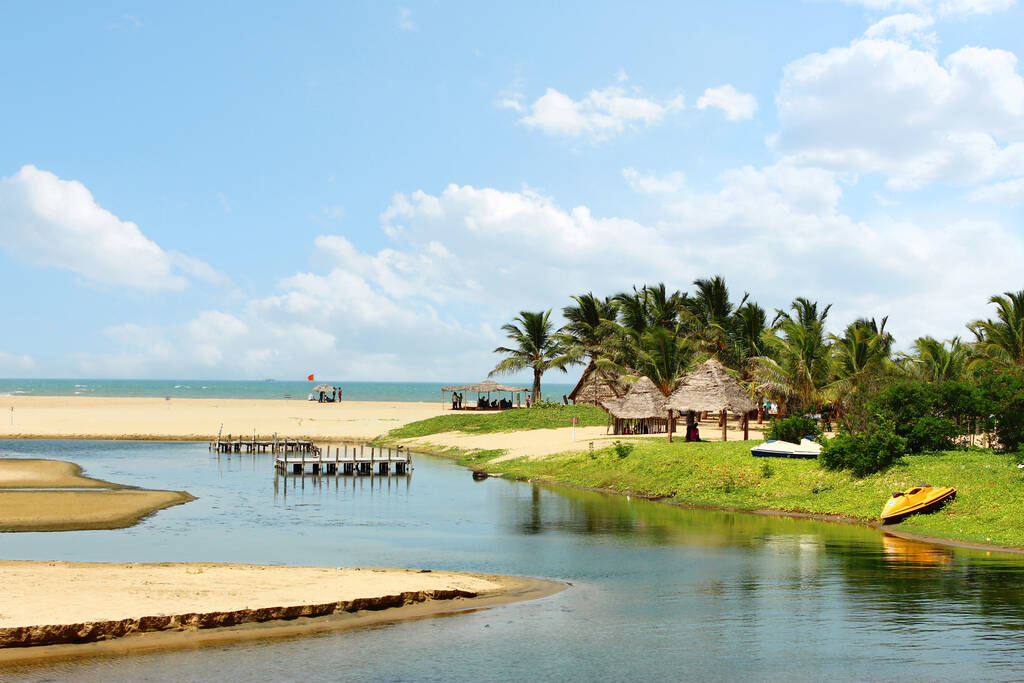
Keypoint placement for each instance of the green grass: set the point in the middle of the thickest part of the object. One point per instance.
(988, 508)
(546, 417)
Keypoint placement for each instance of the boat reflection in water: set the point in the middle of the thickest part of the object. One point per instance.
(905, 552)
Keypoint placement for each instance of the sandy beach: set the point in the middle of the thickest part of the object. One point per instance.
(77, 607)
(194, 419)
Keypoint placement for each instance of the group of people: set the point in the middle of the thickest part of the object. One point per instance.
(483, 404)
(334, 397)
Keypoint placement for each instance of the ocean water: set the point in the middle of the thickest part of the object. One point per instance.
(263, 389)
(658, 592)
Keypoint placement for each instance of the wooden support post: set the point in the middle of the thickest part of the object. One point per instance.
(746, 426)
(725, 427)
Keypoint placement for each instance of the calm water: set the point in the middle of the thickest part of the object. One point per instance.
(658, 592)
(179, 388)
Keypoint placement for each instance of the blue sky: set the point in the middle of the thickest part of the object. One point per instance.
(369, 190)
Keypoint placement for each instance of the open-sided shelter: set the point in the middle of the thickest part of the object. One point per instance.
(641, 411)
(483, 390)
(710, 388)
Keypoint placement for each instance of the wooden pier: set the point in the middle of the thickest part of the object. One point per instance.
(274, 445)
(347, 460)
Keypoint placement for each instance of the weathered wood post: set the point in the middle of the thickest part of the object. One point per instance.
(746, 426)
(725, 426)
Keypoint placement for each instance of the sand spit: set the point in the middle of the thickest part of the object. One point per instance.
(199, 419)
(86, 602)
(27, 473)
(78, 503)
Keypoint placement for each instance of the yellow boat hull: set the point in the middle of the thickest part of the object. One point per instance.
(916, 499)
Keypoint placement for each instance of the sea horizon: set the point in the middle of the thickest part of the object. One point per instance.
(254, 389)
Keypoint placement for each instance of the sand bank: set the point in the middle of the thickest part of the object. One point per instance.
(79, 502)
(195, 419)
(77, 605)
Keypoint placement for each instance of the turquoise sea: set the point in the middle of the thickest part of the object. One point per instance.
(265, 389)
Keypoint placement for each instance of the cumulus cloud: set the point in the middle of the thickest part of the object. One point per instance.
(951, 8)
(903, 27)
(1010, 192)
(47, 221)
(884, 106)
(736, 105)
(653, 184)
(601, 114)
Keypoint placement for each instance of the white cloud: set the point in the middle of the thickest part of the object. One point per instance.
(47, 221)
(652, 184)
(883, 106)
(903, 27)
(736, 105)
(405, 19)
(427, 306)
(1010, 192)
(601, 114)
(14, 365)
(952, 8)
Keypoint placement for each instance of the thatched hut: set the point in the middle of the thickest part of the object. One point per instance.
(596, 385)
(483, 390)
(641, 411)
(710, 388)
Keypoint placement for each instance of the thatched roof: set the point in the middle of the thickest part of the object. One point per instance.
(710, 387)
(596, 385)
(643, 400)
(484, 387)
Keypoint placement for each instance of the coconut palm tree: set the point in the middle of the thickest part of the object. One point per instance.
(590, 327)
(535, 347)
(862, 351)
(711, 319)
(1001, 341)
(935, 361)
(797, 364)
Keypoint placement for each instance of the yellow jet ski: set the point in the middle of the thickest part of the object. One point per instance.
(917, 499)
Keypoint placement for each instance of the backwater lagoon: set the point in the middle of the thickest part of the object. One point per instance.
(658, 591)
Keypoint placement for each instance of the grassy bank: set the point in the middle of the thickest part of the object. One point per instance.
(988, 507)
(546, 417)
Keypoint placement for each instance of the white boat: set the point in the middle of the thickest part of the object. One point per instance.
(787, 449)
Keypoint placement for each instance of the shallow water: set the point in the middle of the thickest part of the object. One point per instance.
(658, 591)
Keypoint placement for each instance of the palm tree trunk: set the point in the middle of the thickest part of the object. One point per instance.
(536, 385)
(671, 425)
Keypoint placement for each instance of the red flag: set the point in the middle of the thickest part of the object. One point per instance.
(310, 378)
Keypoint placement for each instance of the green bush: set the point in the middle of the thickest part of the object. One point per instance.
(920, 412)
(1004, 394)
(871, 451)
(622, 449)
(793, 429)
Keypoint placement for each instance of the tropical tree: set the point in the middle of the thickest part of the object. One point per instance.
(863, 350)
(935, 361)
(797, 365)
(1001, 341)
(535, 346)
(711, 321)
(590, 326)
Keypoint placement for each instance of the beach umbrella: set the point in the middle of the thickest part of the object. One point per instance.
(323, 387)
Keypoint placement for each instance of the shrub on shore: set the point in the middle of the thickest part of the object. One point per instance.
(793, 429)
(873, 450)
